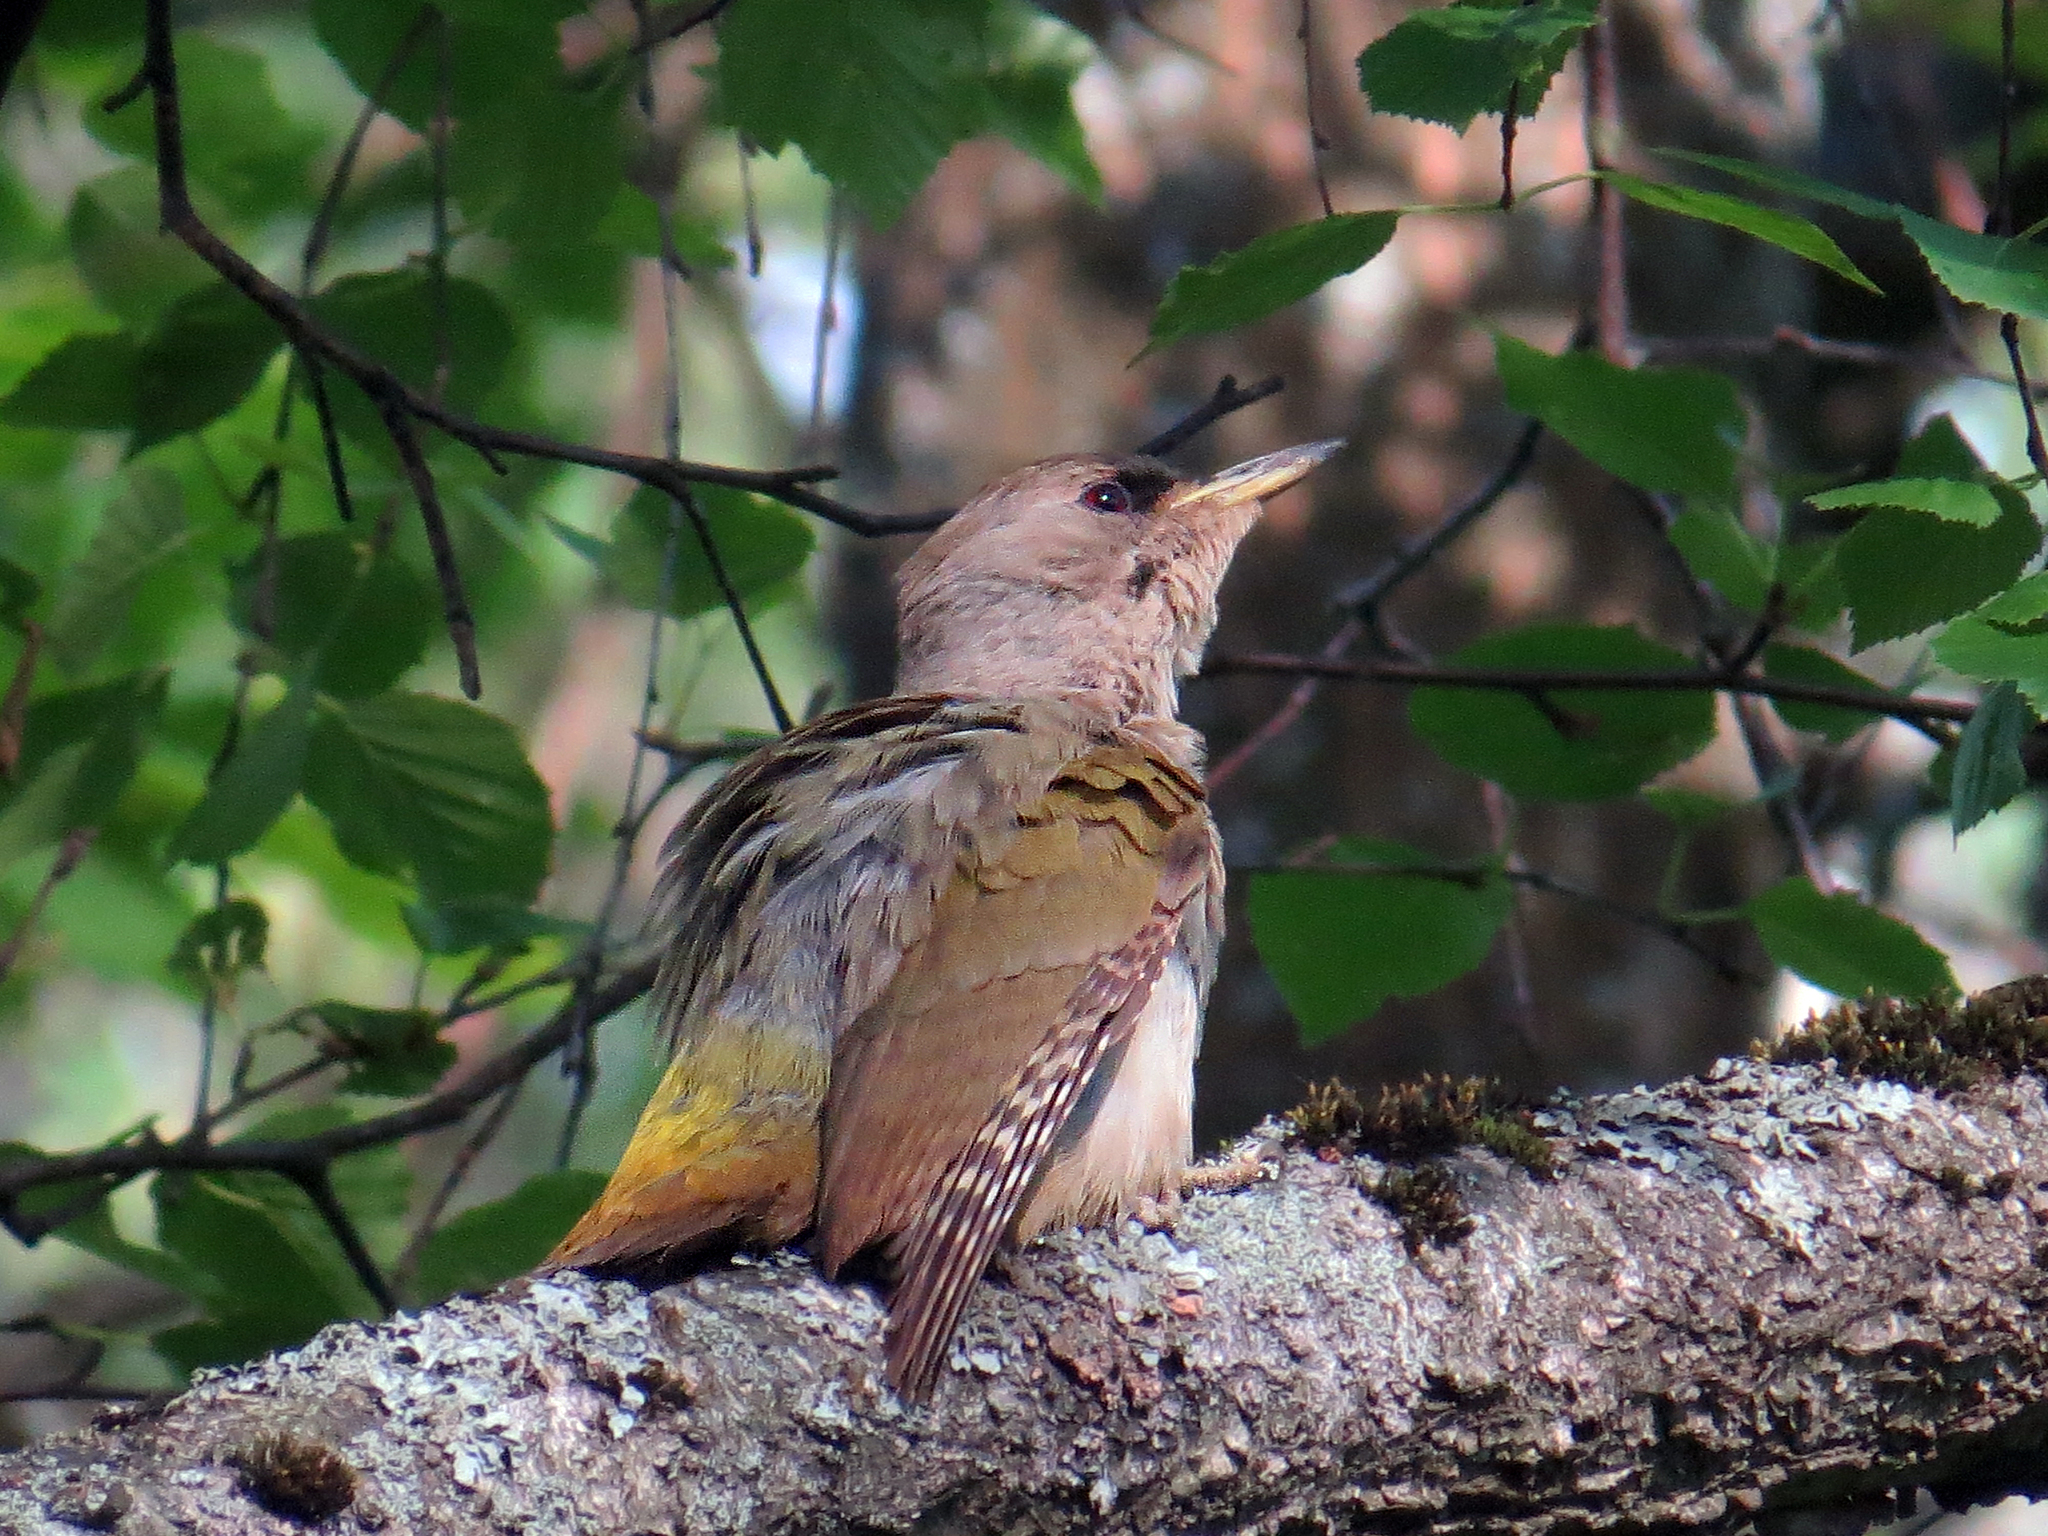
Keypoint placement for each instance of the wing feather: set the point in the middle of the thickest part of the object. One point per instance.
(950, 1090)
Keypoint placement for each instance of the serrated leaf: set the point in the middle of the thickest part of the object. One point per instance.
(143, 526)
(1590, 745)
(493, 1242)
(1721, 552)
(1271, 273)
(79, 751)
(202, 357)
(363, 625)
(255, 785)
(431, 788)
(1953, 501)
(1904, 570)
(1803, 664)
(1449, 65)
(1988, 771)
(86, 385)
(1339, 943)
(1664, 429)
(875, 92)
(759, 542)
(1997, 273)
(394, 1052)
(1787, 231)
(1843, 946)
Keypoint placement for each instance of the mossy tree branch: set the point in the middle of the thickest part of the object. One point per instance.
(1775, 1290)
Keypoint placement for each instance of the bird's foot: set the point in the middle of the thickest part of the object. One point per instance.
(1156, 1213)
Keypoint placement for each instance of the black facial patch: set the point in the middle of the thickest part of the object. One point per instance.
(1147, 480)
(1143, 573)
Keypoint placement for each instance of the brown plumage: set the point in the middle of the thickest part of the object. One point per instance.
(936, 963)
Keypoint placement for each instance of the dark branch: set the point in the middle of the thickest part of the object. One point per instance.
(1228, 398)
(1407, 674)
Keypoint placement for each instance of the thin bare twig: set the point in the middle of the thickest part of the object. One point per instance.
(108, 1167)
(472, 1148)
(828, 312)
(1363, 598)
(1408, 674)
(14, 706)
(1227, 398)
(1316, 145)
(317, 1183)
(455, 611)
(1603, 132)
(70, 854)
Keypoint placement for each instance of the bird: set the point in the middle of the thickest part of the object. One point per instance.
(935, 963)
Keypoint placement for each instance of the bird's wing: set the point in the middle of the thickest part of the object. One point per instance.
(787, 897)
(950, 1089)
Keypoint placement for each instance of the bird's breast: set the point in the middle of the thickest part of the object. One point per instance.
(1141, 1134)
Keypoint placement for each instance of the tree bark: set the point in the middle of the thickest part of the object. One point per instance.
(1772, 1293)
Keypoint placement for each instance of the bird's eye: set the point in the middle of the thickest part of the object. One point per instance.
(1107, 496)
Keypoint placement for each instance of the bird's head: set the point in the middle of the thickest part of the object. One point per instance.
(1087, 576)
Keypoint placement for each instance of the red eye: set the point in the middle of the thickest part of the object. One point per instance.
(1107, 496)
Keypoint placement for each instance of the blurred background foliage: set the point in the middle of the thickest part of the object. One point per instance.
(254, 845)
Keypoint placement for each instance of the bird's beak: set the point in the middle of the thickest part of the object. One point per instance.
(1267, 475)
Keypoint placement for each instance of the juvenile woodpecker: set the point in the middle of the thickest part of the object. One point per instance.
(936, 963)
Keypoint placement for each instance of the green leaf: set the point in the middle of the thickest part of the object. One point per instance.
(396, 1052)
(1803, 664)
(1031, 90)
(1988, 771)
(206, 353)
(1448, 66)
(458, 927)
(1904, 570)
(106, 723)
(1339, 943)
(1843, 946)
(1664, 429)
(1791, 183)
(142, 527)
(433, 788)
(1983, 269)
(391, 316)
(2021, 608)
(1590, 745)
(240, 143)
(1787, 231)
(86, 385)
(364, 625)
(1990, 653)
(875, 92)
(19, 590)
(1721, 552)
(760, 543)
(494, 1242)
(96, 1233)
(1953, 501)
(132, 267)
(33, 816)
(263, 1290)
(221, 943)
(1271, 273)
(254, 787)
